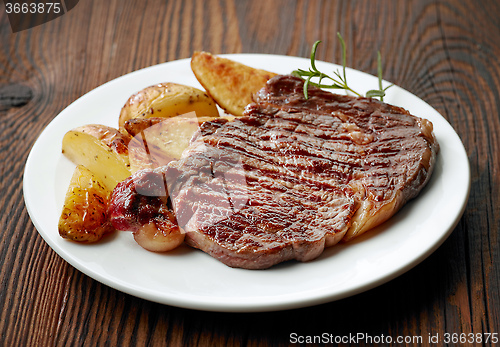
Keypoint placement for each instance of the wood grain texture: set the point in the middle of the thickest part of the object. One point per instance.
(446, 52)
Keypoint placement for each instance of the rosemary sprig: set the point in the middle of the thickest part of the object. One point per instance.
(339, 81)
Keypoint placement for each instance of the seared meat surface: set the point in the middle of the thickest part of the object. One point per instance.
(293, 176)
(140, 200)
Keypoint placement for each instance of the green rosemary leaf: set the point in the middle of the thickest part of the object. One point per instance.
(306, 87)
(336, 73)
(344, 55)
(339, 81)
(313, 56)
(389, 86)
(375, 93)
(379, 70)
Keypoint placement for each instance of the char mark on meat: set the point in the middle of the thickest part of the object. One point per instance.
(293, 176)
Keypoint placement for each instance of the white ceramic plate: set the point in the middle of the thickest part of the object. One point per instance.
(190, 278)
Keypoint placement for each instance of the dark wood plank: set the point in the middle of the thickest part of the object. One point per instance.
(446, 52)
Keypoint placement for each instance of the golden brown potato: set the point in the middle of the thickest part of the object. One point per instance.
(84, 216)
(101, 149)
(229, 83)
(157, 141)
(111, 137)
(166, 100)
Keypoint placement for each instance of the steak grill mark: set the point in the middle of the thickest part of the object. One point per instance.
(294, 176)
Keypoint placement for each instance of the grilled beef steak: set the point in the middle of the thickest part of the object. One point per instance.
(294, 176)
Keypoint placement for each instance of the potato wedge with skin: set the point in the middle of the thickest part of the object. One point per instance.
(229, 83)
(167, 100)
(84, 217)
(101, 149)
(111, 137)
(157, 141)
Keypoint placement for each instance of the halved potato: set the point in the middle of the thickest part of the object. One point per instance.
(229, 83)
(84, 217)
(157, 141)
(167, 100)
(101, 149)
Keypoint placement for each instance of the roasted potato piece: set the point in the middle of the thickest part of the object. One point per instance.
(101, 149)
(84, 216)
(229, 83)
(157, 141)
(111, 137)
(167, 100)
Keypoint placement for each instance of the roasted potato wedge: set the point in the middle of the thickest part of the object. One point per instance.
(157, 141)
(84, 216)
(229, 83)
(167, 100)
(101, 149)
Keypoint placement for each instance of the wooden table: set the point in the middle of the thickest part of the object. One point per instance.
(445, 52)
